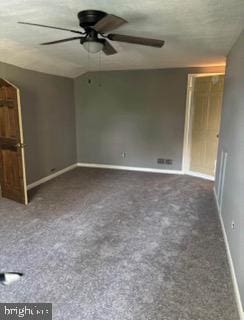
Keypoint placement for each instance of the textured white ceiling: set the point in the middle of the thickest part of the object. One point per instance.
(197, 33)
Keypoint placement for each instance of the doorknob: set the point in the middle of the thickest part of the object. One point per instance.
(20, 145)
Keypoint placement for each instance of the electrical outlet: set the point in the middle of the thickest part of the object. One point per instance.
(232, 225)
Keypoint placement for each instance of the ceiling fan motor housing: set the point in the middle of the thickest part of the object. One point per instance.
(89, 18)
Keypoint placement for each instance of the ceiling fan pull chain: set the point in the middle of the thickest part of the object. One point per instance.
(88, 66)
(100, 69)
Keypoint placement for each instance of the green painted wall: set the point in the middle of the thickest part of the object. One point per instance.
(141, 113)
(232, 143)
(48, 120)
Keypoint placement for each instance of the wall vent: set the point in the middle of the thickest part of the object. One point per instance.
(168, 161)
(161, 161)
(164, 161)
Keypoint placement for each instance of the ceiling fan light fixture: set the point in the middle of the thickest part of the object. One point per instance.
(93, 46)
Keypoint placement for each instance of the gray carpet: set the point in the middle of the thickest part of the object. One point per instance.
(113, 245)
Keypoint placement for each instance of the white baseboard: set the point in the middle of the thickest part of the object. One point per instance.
(200, 175)
(51, 176)
(231, 264)
(104, 166)
(115, 167)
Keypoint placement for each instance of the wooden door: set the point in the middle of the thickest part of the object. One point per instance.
(12, 161)
(206, 113)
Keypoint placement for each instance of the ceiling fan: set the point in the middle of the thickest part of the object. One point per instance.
(96, 24)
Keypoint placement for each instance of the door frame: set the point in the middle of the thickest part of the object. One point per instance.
(21, 138)
(188, 126)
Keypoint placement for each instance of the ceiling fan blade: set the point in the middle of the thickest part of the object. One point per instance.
(108, 49)
(108, 23)
(62, 40)
(50, 27)
(136, 40)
